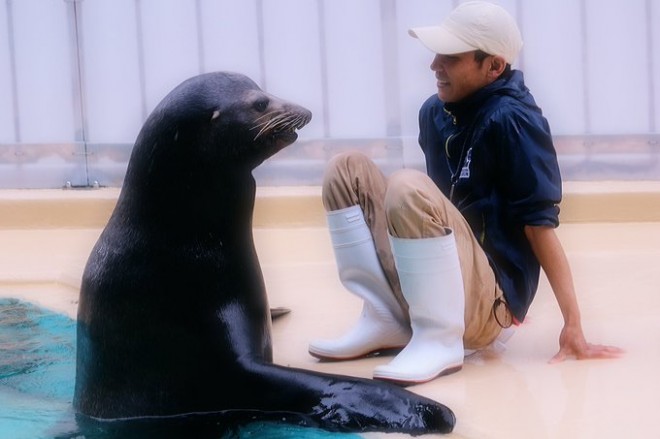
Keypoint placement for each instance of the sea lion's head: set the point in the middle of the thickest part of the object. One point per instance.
(219, 118)
(258, 124)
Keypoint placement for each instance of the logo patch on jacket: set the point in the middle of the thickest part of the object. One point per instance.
(465, 170)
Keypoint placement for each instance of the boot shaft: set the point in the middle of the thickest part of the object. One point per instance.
(347, 227)
(431, 281)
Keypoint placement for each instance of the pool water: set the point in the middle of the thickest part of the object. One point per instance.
(37, 376)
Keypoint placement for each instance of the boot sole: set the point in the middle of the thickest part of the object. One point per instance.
(412, 382)
(375, 353)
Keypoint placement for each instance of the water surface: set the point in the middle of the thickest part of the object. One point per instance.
(37, 376)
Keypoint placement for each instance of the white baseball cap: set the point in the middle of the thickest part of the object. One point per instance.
(473, 25)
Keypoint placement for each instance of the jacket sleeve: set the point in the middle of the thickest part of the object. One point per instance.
(529, 175)
(425, 120)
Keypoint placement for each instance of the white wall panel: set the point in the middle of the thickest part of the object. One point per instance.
(230, 36)
(7, 132)
(355, 80)
(593, 66)
(654, 18)
(553, 55)
(171, 49)
(111, 71)
(44, 74)
(617, 66)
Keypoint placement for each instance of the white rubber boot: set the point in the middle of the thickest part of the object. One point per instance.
(431, 281)
(382, 324)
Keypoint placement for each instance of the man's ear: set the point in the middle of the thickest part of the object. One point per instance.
(497, 66)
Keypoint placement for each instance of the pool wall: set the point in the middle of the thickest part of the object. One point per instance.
(584, 202)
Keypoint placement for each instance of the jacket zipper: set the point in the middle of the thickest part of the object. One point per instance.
(447, 145)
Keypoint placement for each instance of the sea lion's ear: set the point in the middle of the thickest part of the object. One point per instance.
(215, 115)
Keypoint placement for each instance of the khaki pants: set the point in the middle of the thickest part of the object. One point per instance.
(409, 205)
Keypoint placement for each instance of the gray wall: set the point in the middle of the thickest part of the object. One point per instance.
(78, 78)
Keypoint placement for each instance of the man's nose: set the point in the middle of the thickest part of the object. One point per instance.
(436, 64)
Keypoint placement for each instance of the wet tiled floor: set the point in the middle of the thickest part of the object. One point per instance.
(508, 394)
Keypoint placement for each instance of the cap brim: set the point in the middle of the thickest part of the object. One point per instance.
(437, 39)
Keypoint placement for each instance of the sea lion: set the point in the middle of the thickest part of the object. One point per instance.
(173, 316)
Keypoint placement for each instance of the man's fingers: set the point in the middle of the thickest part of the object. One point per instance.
(588, 353)
(602, 351)
(591, 352)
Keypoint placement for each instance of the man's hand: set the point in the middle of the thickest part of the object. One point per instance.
(572, 344)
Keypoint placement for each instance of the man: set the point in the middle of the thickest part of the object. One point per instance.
(445, 261)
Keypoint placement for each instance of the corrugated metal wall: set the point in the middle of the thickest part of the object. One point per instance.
(78, 78)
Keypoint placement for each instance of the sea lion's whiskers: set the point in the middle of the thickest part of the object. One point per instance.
(266, 126)
(279, 122)
(265, 116)
(300, 121)
(272, 120)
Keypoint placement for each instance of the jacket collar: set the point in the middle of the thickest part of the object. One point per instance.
(464, 110)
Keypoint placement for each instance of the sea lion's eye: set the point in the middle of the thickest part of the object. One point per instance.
(261, 105)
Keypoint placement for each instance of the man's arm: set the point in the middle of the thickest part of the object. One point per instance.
(551, 256)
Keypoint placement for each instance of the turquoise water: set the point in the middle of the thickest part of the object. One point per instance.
(37, 376)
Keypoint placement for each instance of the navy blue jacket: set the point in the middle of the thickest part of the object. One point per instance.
(492, 155)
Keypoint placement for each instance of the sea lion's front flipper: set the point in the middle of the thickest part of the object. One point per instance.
(341, 403)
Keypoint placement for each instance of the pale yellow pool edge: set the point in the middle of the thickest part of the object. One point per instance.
(584, 202)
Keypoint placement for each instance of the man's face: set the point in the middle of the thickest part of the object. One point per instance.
(460, 75)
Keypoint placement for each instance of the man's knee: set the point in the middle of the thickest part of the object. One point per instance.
(414, 206)
(344, 166)
(340, 181)
(403, 195)
(404, 187)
